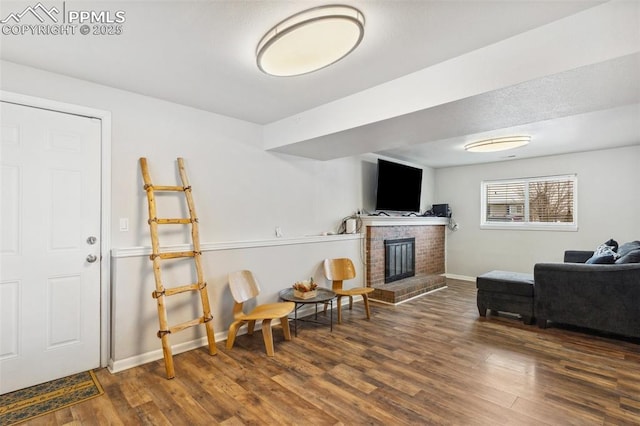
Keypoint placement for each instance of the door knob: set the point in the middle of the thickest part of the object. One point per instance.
(91, 258)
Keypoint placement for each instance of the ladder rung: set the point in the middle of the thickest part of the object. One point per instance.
(181, 289)
(166, 188)
(174, 255)
(172, 221)
(187, 324)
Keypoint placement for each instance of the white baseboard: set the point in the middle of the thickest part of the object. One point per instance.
(460, 277)
(137, 360)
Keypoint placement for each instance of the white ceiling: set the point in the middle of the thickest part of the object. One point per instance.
(202, 54)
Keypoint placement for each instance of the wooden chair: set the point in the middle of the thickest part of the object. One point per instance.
(338, 270)
(244, 287)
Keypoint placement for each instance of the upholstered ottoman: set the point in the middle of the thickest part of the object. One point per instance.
(507, 292)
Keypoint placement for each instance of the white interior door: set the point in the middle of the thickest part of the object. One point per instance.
(49, 246)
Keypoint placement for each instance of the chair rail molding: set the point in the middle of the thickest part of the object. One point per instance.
(232, 245)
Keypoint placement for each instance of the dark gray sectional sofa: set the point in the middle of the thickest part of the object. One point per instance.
(603, 297)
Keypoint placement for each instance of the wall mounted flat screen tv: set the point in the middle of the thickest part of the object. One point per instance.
(399, 187)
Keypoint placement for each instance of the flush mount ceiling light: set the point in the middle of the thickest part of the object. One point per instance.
(310, 40)
(498, 144)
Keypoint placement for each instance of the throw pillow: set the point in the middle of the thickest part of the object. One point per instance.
(632, 257)
(606, 250)
(613, 244)
(604, 259)
(603, 254)
(627, 247)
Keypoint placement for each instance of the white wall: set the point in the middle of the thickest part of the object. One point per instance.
(608, 207)
(241, 193)
(135, 319)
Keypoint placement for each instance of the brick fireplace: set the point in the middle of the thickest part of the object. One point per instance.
(429, 256)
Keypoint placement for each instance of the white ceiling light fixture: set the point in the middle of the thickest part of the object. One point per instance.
(498, 144)
(310, 40)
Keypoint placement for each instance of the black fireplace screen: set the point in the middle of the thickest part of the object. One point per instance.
(399, 259)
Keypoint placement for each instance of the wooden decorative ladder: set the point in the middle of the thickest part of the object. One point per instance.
(161, 292)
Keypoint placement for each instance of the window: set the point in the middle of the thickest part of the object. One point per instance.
(532, 203)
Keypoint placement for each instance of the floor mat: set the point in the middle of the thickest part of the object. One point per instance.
(26, 404)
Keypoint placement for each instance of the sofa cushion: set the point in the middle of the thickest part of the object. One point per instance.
(628, 247)
(632, 257)
(577, 256)
(513, 283)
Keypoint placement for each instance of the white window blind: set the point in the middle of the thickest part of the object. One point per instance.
(543, 202)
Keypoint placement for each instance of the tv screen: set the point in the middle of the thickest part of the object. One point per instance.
(399, 187)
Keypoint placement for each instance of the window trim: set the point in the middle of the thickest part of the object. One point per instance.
(527, 225)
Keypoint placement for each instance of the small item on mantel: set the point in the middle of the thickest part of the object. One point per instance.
(305, 289)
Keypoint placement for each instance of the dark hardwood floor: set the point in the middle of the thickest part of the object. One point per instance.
(431, 360)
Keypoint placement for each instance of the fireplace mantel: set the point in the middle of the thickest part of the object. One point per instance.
(403, 220)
